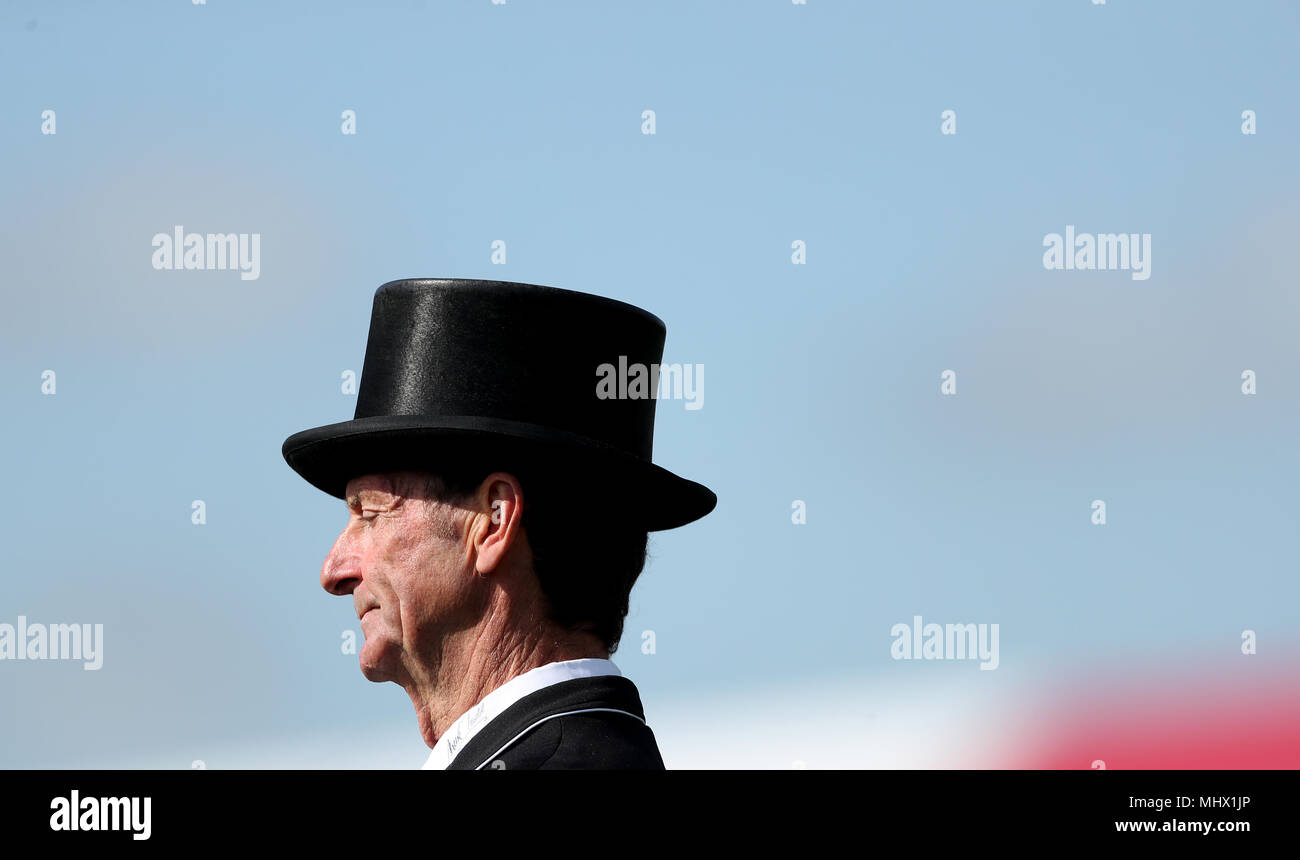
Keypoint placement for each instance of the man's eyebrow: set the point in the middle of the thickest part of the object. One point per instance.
(354, 500)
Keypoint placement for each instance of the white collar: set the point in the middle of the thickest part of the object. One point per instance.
(494, 703)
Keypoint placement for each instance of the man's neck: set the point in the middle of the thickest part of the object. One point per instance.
(463, 683)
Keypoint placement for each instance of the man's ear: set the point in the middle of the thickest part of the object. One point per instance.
(497, 530)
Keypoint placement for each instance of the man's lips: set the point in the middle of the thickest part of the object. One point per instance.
(363, 614)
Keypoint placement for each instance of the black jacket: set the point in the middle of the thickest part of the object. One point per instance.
(580, 724)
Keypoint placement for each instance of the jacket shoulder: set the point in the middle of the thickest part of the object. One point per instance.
(583, 723)
(597, 740)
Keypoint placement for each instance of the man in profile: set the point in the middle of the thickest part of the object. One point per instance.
(499, 508)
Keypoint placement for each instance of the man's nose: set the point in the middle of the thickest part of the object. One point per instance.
(341, 572)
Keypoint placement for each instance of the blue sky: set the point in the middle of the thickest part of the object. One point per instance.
(774, 123)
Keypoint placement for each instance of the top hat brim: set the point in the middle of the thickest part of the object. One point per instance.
(643, 493)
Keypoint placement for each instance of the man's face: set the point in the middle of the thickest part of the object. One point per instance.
(407, 571)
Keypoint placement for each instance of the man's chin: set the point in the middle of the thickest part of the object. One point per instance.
(375, 667)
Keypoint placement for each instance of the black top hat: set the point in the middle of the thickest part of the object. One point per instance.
(461, 370)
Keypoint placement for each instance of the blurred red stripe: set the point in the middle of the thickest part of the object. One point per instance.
(1251, 725)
